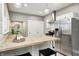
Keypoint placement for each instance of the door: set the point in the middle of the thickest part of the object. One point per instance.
(40, 28)
(35, 27)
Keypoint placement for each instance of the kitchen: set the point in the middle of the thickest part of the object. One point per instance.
(27, 27)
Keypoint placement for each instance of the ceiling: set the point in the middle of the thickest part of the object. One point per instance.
(37, 8)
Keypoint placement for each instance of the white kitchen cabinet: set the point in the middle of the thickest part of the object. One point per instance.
(35, 27)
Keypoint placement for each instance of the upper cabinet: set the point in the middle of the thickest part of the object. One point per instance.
(6, 20)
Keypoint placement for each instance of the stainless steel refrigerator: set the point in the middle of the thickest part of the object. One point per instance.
(64, 46)
(75, 36)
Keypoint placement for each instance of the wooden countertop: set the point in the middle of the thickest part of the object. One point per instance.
(29, 41)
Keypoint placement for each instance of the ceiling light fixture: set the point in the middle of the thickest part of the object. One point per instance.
(46, 10)
(25, 5)
(18, 5)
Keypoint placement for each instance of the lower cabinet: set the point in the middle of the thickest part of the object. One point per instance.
(64, 46)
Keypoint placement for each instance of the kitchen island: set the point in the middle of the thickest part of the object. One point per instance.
(29, 41)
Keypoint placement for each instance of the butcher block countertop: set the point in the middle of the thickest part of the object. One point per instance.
(29, 41)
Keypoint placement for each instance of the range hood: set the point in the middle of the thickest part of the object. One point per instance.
(53, 18)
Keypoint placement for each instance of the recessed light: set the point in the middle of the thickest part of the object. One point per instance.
(18, 5)
(46, 10)
(25, 5)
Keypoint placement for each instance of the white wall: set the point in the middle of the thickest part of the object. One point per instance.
(22, 17)
(72, 8)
